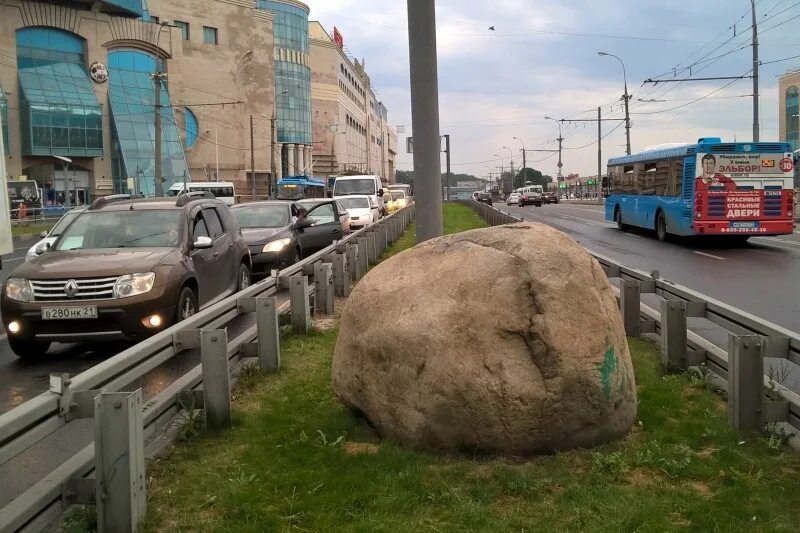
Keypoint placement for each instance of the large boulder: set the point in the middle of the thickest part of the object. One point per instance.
(500, 340)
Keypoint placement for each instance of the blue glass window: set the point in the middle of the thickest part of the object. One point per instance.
(60, 114)
(210, 35)
(184, 27)
(793, 117)
(290, 25)
(132, 97)
(192, 127)
(135, 7)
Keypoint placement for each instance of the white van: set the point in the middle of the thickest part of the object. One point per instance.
(222, 190)
(360, 185)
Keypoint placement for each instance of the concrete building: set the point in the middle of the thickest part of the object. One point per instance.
(789, 108)
(350, 125)
(76, 82)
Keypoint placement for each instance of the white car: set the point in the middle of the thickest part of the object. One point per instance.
(362, 209)
(50, 237)
(513, 198)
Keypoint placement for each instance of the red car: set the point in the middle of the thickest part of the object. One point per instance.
(530, 198)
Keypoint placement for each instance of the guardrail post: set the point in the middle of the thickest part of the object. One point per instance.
(119, 461)
(323, 282)
(746, 382)
(383, 240)
(372, 246)
(629, 303)
(341, 278)
(301, 307)
(363, 258)
(216, 378)
(673, 335)
(352, 262)
(269, 338)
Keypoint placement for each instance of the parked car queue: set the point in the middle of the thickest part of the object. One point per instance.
(126, 268)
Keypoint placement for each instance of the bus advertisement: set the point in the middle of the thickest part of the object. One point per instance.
(708, 188)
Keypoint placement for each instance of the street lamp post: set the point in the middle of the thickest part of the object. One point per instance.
(524, 165)
(272, 141)
(560, 141)
(627, 98)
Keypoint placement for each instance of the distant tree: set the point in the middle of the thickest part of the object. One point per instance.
(533, 176)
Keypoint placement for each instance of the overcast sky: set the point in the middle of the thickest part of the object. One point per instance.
(542, 60)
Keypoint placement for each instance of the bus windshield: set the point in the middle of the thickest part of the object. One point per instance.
(299, 191)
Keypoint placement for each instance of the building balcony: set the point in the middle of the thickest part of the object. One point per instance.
(125, 8)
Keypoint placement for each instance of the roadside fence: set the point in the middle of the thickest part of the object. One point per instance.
(110, 472)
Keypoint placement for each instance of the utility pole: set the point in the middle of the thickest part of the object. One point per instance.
(425, 117)
(252, 158)
(159, 182)
(599, 147)
(627, 116)
(756, 126)
(216, 147)
(447, 152)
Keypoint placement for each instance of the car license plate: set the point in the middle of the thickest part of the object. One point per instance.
(743, 225)
(69, 313)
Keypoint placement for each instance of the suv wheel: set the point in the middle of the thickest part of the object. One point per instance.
(187, 304)
(28, 350)
(243, 278)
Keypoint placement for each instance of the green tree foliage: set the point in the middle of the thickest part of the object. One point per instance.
(532, 175)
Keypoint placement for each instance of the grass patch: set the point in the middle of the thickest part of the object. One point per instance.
(456, 217)
(297, 460)
(32, 229)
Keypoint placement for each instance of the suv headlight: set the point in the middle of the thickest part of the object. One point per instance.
(276, 246)
(19, 289)
(134, 284)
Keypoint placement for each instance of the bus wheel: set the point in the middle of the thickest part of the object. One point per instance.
(618, 219)
(661, 226)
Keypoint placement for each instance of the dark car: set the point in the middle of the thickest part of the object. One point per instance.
(125, 270)
(550, 197)
(280, 233)
(484, 198)
(530, 198)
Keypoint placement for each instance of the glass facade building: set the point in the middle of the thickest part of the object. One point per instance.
(59, 112)
(292, 73)
(132, 97)
(793, 117)
(4, 120)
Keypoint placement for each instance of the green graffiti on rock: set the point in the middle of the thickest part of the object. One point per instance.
(607, 368)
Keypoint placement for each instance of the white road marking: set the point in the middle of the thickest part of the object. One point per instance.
(13, 259)
(709, 255)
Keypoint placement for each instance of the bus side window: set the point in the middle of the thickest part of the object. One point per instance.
(675, 187)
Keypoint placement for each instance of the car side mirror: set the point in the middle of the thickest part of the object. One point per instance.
(41, 248)
(380, 193)
(43, 234)
(203, 243)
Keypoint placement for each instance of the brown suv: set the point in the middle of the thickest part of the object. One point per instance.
(124, 270)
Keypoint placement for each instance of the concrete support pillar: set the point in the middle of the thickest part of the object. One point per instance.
(301, 159)
(291, 157)
(309, 161)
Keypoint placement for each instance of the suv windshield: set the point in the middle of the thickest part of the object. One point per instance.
(123, 229)
(360, 186)
(262, 216)
(354, 203)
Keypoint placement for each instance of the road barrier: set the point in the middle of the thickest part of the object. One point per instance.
(752, 401)
(124, 421)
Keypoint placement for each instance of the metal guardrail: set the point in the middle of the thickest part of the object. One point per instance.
(752, 402)
(123, 422)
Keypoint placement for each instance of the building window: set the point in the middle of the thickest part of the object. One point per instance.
(191, 126)
(210, 35)
(155, 19)
(59, 112)
(793, 117)
(184, 27)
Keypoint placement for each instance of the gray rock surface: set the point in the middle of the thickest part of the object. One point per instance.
(500, 340)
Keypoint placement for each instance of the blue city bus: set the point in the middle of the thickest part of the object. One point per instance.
(735, 189)
(300, 187)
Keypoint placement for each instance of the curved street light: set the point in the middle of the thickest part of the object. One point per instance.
(627, 97)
